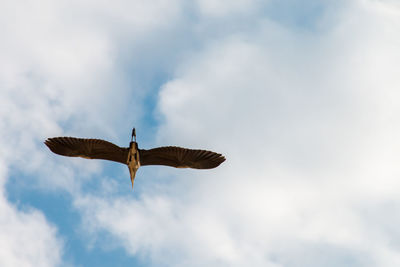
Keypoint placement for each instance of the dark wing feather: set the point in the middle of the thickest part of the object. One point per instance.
(179, 157)
(87, 148)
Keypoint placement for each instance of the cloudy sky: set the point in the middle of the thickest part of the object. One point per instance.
(302, 97)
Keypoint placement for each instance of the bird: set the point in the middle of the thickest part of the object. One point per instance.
(132, 156)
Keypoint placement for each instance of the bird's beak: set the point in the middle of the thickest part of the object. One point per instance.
(132, 172)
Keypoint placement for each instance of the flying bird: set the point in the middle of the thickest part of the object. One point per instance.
(132, 156)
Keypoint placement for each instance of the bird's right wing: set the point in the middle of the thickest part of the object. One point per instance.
(179, 157)
(87, 148)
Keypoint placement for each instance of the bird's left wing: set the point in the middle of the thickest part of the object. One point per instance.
(87, 148)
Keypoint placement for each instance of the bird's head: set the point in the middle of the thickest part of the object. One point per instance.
(133, 143)
(133, 134)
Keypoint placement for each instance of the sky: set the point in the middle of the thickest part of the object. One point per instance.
(301, 97)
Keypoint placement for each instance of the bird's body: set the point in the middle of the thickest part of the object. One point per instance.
(133, 156)
(133, 160)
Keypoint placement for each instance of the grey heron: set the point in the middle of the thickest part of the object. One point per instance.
(132, 156)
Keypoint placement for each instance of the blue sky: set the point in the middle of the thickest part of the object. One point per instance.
(300, 96)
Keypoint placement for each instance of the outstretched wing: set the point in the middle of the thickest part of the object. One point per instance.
(179, 157)
(87, 148)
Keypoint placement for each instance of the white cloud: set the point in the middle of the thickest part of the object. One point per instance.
(222, 8)
(309, 125)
